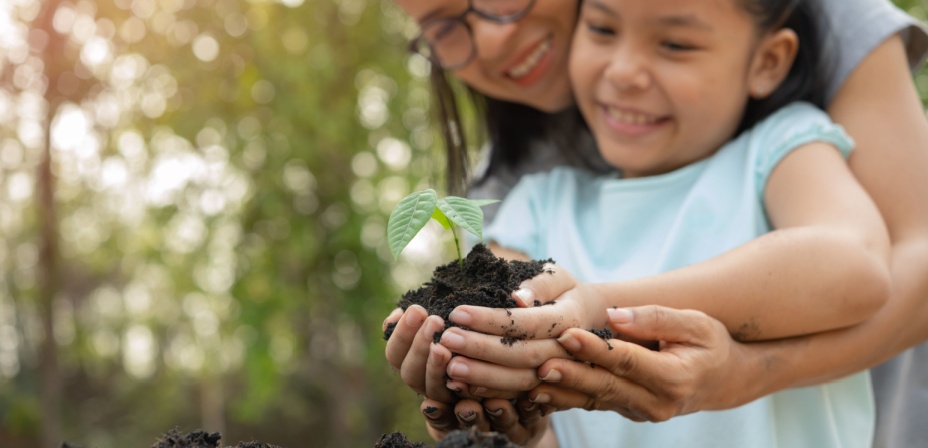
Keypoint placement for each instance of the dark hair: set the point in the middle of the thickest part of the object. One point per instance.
(807, 78)
(511, 129)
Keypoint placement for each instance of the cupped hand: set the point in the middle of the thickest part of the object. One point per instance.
(523, 422)
(696, 367)
(411, 351)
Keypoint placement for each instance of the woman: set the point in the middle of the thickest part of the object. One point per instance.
(873, 98)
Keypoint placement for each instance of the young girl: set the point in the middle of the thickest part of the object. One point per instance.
(688, 219)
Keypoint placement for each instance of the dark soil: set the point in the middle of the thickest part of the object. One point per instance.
(485, 280)
(458, 439)
(200, 439)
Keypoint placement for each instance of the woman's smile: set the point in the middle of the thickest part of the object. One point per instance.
(533, 63)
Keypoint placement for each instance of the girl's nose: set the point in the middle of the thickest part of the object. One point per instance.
(491, 39)
(628, 71)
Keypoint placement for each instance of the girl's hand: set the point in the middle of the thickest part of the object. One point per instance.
(524, 423)
(574, 305)
(696, 368)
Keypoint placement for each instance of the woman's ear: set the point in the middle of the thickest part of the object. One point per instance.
(772, 61)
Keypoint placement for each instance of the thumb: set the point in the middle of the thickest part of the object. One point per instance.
(658, 323)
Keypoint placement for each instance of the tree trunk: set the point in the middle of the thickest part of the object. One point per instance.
(48, 283)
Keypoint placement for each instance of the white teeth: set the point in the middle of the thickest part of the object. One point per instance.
(529, 63)
(631, 117)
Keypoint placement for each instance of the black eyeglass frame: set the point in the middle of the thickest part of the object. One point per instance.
(420, 40)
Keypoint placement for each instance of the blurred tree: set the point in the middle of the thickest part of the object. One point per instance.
(193, 197)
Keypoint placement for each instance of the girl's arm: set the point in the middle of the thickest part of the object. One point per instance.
(825, 267)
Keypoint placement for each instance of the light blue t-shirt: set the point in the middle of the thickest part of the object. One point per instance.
(604, 228)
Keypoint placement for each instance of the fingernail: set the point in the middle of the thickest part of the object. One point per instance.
(458, 370)
(480, 391)
(393, 317)
(436, 358)
(569, 342)
(433, 325)
(541, 398)
(525, 295)
(495, 412)
(453, 387)
(452, 340)
(431, 412)
(530, 406)
(468, 416)
(460, 317)
(620, 315)
(414, 319)
(553, 376)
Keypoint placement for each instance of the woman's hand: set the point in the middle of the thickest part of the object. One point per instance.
(410, 351)
(523, 422)
(696, 368)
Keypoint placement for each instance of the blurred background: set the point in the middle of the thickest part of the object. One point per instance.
(193, 200)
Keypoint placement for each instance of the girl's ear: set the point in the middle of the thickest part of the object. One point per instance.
(772, 61)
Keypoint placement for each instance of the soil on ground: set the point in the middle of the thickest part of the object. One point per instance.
(200, 439)
(484, 280)
(458, 439)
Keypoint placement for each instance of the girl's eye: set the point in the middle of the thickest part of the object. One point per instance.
(600, 29)
(676, 46)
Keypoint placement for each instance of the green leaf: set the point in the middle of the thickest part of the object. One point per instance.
(441, 218)
(408, 218)
(463, 212)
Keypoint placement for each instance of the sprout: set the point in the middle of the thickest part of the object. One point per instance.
(415, 210)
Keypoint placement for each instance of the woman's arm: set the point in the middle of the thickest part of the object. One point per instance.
(880, 108)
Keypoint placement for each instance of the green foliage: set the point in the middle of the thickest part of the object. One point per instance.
(415, 210)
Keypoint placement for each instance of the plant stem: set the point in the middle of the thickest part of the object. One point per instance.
(457, 246)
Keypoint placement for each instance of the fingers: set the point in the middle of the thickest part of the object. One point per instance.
(392, 319)
(490, 376)
(627, 360)
(659, 323)
(413, 368)
(439, 417)
(435, 382)
(469, 414)
(493, 349)
(521, 323)
(545, 287)
(403, 335)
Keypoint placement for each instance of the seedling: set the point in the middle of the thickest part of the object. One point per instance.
(415, 210)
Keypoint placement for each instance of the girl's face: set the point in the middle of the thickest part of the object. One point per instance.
(663, 83)
(524, 61)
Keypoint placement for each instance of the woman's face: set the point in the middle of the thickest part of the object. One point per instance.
(524, 61)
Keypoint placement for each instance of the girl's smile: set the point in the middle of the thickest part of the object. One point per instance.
(632, 123)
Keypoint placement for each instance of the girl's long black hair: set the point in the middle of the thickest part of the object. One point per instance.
(513, 129)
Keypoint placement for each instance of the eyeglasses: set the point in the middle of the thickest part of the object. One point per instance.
(449, 41)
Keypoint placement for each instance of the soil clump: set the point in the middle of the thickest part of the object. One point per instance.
(471, 438)
(484, 280)
(200, 439)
